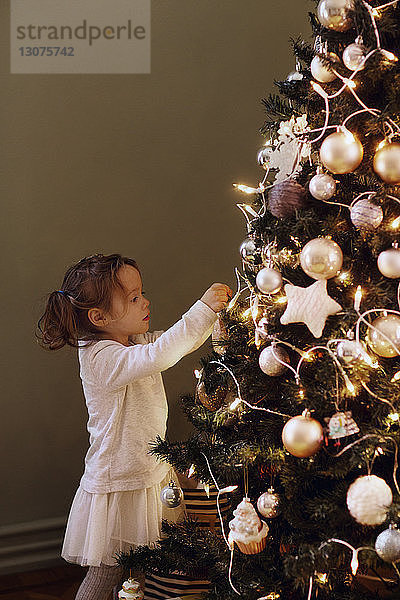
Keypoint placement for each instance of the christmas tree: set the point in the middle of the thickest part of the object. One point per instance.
(295, 413)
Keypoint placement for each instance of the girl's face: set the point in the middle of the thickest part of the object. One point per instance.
(130, 309)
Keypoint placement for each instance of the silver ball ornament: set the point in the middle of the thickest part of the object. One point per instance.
(302, 436)
(334, 14)
(350, 351)
(341, 152)
(389, 263)
(368, 499)
(269, 281)
(354, 55)
(322, 186)
(387, 162)
(321, 258)
(384, 329)
(171, 495)
(387, 544)
(249, 251)
(320, 72)
(268, 504)
(364, 214)
(268, 361)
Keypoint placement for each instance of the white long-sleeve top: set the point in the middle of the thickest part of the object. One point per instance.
(127, 404)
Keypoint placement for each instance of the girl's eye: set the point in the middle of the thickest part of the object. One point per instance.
(136, 297)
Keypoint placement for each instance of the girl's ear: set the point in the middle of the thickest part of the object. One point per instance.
(97, 317)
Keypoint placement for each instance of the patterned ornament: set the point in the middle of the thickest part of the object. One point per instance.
(285, 198)
(387, 162)
(269, 363)
(219, 337)
(341, 152)
(350, 352)
(320, 72)
(341, 424)
(212, 401)
(269, 280)
(364, 214)
(171, 495)
(334, 14)
(131, 590)
(302, 436)
(322, 186)
(387, 544)
(247, 530)
(321, 258)
(310, 306)
(389, 263)
(354, 55)
(384, 336)
(368, 499)
(268, 504)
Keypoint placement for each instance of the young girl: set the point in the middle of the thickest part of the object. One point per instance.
(101, 310)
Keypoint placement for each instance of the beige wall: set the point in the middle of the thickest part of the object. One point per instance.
(137, 164)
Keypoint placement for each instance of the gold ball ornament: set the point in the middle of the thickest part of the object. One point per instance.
(268, 504)
(334, 14)
(341, 152)
(354, 55)
(322, 186)
(387, 162)
(384, 336)
(212, 401)
(321, 258)
(302, 436)
(320, 72)
(389, 263)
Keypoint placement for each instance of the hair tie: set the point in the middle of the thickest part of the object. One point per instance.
(61, 292)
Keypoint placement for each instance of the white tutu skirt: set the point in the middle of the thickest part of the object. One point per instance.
(99, 525)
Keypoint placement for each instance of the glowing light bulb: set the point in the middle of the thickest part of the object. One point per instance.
(395, 223)
(354, 563)
(395, 377)
(235, 404)
(281, 300)
(357, 298)
(317, 88)
(246, 189)
(191, 470)
(389, 55)
(394, 417)
(228, 489)
(349, 82)
(197, 373)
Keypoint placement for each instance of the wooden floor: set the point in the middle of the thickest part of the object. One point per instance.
(58, 583)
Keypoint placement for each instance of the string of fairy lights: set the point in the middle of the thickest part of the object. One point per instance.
(380, 331)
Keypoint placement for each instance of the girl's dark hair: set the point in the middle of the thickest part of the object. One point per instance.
(87, 284)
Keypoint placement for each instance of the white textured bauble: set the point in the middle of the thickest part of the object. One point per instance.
(389, 263)
(320, 72)
(387, 163)
(268, 504)
(269, 281)
(350, 351)
(302, 436)
(248, 251)
(341, 152)
(354, 55)
(334, 14)
(269, 363)
(368, 499)
(321, 258)
(364, 214)
(384, 329)
(387, 544)
(171, 495)
(322, 186)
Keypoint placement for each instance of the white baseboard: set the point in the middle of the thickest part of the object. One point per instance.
(32, 545)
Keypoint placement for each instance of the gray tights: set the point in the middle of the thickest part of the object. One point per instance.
(99, 583)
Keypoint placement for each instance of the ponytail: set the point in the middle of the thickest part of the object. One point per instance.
(58, 325)
(87, 284)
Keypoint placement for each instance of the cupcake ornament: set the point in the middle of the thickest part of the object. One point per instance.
(247, 530)
(131, 590)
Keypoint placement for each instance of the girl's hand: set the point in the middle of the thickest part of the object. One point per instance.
(217, 296)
